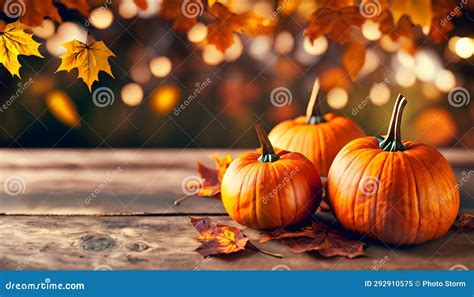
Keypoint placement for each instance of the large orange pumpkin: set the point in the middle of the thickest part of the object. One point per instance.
(400, 192)
(317, 136)
(270, 190)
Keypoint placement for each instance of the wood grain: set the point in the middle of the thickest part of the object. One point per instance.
(135, 242)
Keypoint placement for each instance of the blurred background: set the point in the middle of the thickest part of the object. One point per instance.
(174, 90)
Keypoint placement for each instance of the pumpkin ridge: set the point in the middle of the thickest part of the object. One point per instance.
(251, 177)
(445, 179)
(426, 182)
(295, 200)
(274, 177)
(418, 204)
(237, 204)
(363, 175)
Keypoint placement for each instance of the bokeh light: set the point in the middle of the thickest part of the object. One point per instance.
(284, 42)
(426, 66)
(445, 80)
(127, 9)
(211, 55)
(63, 108)
(337, 98)
(236, 49)
(161, 66)
(140, 73)
(164, 99)
(379, 94)
(260, 46)
(435, 126)
(46, 29)
(464, 47)
(66, 32)
(370, 30)
(197, 33)
(316, 48)
(132, 94)
(405, 77)
(101, 18)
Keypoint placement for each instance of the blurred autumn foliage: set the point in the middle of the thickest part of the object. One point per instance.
(200, 68)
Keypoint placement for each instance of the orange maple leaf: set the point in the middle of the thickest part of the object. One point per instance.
(218, 238)
(183, 13)
(353, 58)
(442, 24)
(337, 24)
(324, 239)
(223, 26)
(32, 12)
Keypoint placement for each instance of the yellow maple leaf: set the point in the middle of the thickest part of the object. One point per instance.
(14, 41)
(88, 59)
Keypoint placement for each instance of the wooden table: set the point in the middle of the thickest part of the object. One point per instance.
(54, 222)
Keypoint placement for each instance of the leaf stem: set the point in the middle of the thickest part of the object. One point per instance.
(253, 247)
(182, 199)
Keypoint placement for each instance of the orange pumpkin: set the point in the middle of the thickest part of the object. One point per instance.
(400, 192)
(270, 190)
(317, 136)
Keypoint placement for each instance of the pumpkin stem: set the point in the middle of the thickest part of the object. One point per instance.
(313, 111)
(268, 153)
(393, 141)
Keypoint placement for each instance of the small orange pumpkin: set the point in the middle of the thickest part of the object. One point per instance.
(270, 190)
(317, 136)
(400, 192)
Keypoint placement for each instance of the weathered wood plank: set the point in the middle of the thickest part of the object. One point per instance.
(126, 181)
(149, 242)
